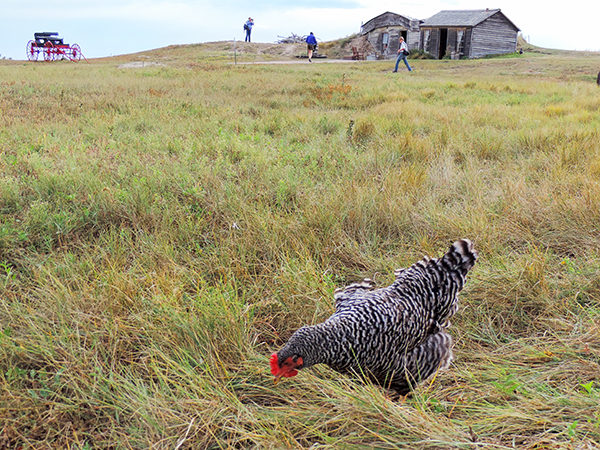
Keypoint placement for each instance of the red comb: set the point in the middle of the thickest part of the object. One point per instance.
(274, 364)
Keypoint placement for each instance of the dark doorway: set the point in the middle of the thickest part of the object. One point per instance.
(443, 42)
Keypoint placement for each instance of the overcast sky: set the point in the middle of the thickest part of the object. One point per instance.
(116, 27)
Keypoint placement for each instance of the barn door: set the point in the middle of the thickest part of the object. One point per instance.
(460, 42)
(443, 42)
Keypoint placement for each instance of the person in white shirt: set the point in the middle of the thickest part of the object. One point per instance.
(402, 54)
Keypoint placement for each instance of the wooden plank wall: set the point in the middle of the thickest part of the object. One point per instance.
(425, 40)
(451, 44)
(375, 37)
(466, 53)
(430, 45)
(412, 39)
(395, 25)
(492, 36)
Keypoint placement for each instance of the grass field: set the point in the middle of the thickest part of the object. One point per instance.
(164, 229)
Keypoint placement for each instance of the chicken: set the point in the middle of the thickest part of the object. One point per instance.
(394, 336)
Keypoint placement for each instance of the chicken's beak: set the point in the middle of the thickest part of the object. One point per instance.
(288, 369)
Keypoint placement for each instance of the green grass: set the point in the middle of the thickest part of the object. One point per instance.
(164, 229)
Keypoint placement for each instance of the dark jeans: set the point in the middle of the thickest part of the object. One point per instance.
(247, 35)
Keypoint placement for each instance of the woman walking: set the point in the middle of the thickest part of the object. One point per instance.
(402, 54)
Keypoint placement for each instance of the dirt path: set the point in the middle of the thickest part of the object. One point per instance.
(304, 61)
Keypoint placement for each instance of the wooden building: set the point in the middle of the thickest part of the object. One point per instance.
(468, 34)
(383, 33)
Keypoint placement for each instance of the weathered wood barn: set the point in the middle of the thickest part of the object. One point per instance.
(468, 34)
(384, 31)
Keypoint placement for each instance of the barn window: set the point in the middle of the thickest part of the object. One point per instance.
(426, 37)
(384, 42)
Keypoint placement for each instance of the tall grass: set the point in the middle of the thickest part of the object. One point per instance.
(164, 229)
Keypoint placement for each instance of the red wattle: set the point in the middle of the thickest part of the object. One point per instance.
(274, 364)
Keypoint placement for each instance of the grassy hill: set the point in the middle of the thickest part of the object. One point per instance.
(166, 225)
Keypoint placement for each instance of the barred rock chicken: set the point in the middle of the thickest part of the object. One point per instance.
(395, 336)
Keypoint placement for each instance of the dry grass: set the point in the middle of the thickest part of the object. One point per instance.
(164, 229)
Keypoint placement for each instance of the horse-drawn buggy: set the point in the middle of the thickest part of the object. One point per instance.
(52, 47)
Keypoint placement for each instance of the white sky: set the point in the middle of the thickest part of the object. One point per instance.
(115, 27)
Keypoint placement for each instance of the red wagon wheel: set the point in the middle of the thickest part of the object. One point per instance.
(32, 51)
(75, 54)
(49, 51)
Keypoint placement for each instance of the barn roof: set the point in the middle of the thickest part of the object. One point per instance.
(462, 18)
(388, 13)
(388, 18)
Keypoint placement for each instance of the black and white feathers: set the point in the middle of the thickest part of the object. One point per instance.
(395, 336)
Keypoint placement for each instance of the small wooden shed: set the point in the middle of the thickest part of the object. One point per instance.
(384, 31)
(468, 34)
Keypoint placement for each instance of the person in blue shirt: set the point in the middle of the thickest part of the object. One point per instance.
(248, 27)
(311, 43)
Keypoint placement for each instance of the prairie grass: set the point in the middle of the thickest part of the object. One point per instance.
(163, 229)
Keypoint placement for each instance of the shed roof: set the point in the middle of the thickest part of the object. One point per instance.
(387, 13)
(389, 19)
(462, 18)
